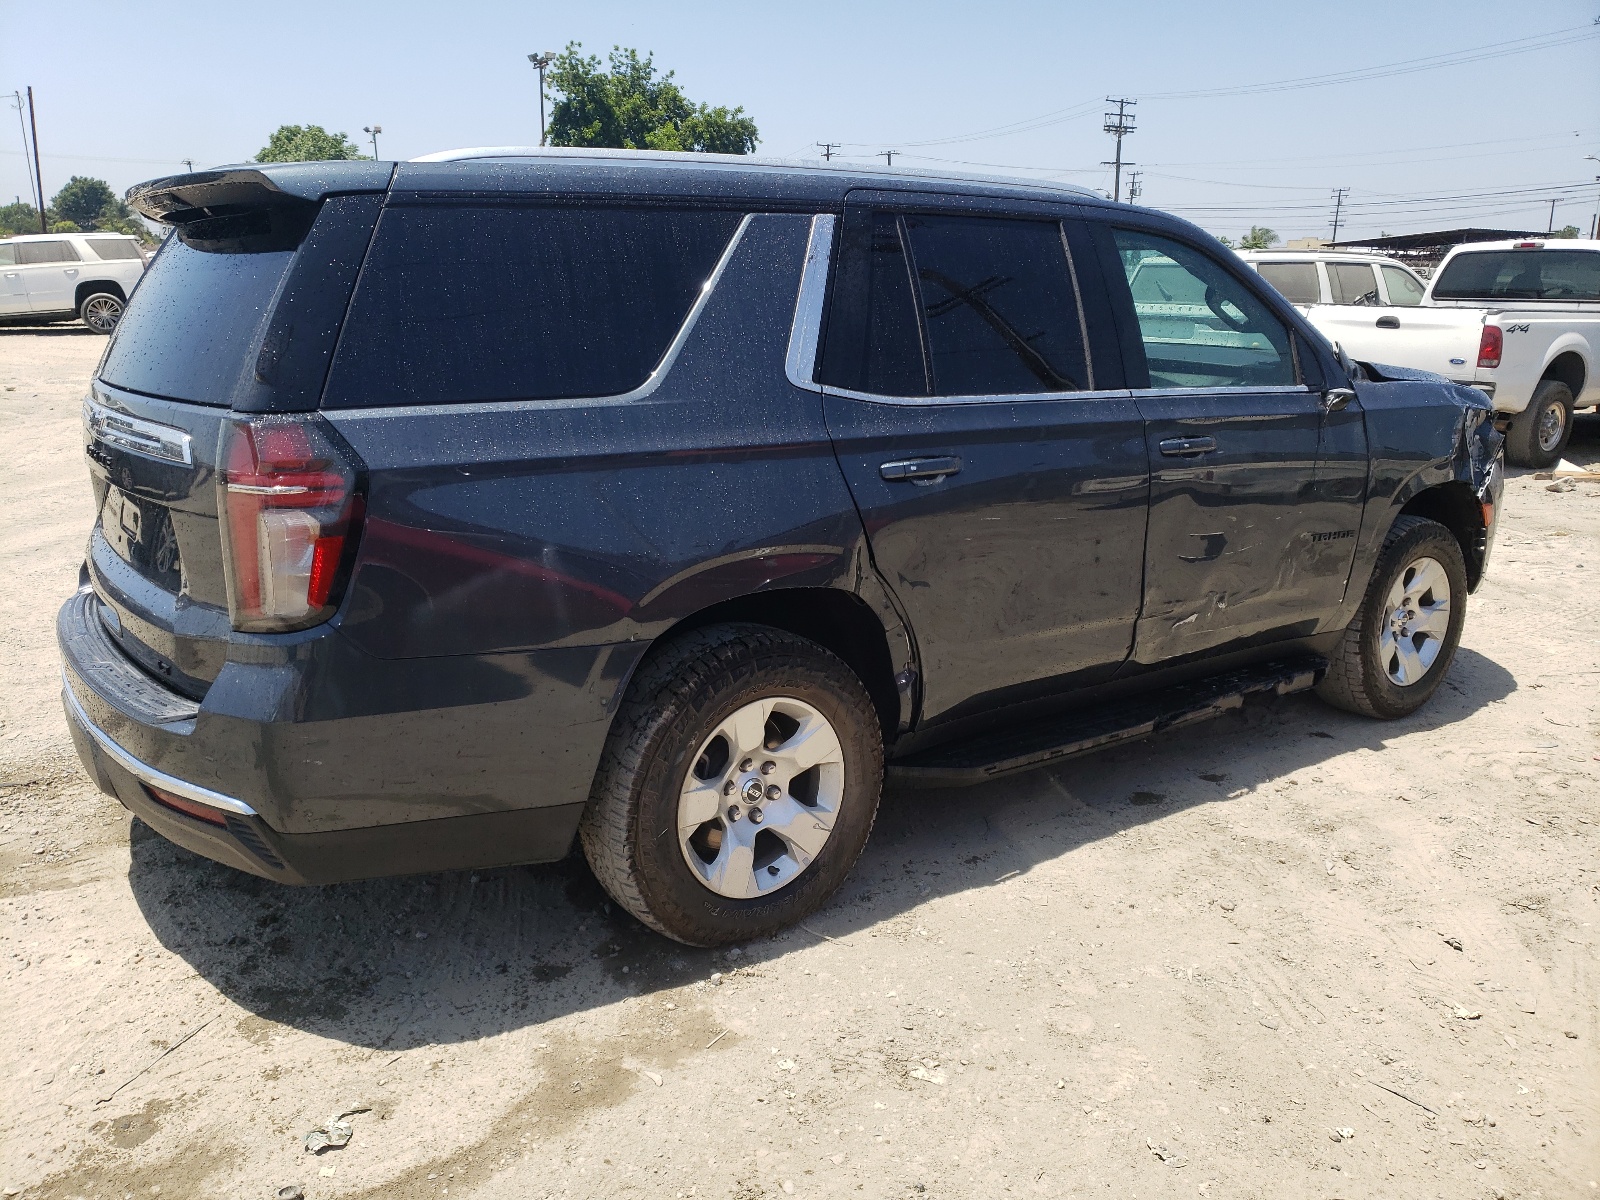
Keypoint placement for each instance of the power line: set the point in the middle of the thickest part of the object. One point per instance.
(1119, 124)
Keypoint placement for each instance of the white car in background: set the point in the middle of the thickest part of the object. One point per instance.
(1518, 320)
(59, 276)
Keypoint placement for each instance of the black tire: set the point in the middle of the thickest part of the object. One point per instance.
(1358, 678)
(682, 693)
(1538, 434)
(101, 311)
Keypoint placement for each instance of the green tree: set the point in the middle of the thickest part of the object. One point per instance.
(1227, 241)
(82, 200)
(1566, 231)
(629, 108)
(18, 218)
(307, 143)
(1259, 238)
(91, 206)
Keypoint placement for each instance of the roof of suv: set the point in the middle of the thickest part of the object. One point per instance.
(509, 170)
(1361, 256)
(56, 237)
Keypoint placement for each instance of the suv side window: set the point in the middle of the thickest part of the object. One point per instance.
(1296, 280)
(954, 306)
(114, 250)
(1201, 327)
(461, 304)
(1352, 283)
(45, 252)
(8, 254)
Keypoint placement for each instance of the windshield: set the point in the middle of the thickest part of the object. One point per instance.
(1521, 275)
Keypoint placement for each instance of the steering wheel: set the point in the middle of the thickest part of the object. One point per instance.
(1215, 302)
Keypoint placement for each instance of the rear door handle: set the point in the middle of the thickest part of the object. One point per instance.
(920, 470)
(1388, 322)
(1187, 447)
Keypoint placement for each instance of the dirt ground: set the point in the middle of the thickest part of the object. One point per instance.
(1291, 953)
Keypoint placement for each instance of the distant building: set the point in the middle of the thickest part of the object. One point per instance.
(1424, 251)
(1305, 243)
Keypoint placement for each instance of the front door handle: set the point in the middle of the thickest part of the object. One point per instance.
(1337, 398)
(1189, 447)
(1388, 322)
(921, 470)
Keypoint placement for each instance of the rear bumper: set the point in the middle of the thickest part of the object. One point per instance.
(315, 767)
(246, 842)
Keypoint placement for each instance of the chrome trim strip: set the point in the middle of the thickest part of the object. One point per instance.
(654, 381)
(1277, 389)
(145, 773)
(801, 363)
(127, 432)
(1005, 398)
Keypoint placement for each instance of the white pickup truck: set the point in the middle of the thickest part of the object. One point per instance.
(1518, 320)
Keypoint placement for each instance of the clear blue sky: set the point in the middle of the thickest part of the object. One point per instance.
(125, 92)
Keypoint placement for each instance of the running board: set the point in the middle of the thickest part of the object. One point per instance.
(1047, 742)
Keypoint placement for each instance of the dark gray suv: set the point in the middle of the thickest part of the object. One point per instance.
(451, 509)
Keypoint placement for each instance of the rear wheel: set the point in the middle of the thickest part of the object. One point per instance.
(738, 785)
(101, 311)
(1539, 433)
(1396, 652)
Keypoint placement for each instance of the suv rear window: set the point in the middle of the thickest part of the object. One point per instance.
(459, 304)
(193, 322)
(114, 249)
(1521, 275)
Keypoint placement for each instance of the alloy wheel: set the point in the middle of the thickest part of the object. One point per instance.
(101, 313)
(761, 797)
(1416, 621)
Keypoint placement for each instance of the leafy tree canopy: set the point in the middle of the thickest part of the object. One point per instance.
(1566, 231)
(84, 199)
(1259, 238)
(307, 143)
(630, 108)
(18, 218)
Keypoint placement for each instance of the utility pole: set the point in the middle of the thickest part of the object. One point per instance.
(27, 158)
(1594, 226)
(1338, 207)
(38, 178)
(888, 156)
(375, 130)
(827, 149)
(1550, 226)
(1135, 188)
(1119, 124)
(188, 165)
(540, 61)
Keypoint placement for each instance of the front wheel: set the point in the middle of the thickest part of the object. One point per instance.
(1538, 434)
(738, 785)
(1395, 654)
(101, 312)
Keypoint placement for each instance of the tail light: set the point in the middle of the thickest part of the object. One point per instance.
(1490, 345)
(290, 514)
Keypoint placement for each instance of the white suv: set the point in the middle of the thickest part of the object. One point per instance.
(58, 276)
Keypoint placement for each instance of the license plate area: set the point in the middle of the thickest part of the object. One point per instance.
(141, 534)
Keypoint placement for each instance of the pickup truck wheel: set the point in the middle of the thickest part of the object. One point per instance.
(1396, 652)
(738, 785)
(1539, 433)
(100, 312)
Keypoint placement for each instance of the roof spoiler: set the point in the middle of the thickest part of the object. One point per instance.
(223, 191)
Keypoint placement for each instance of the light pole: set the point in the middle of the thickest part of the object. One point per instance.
(540, 61)
(374, 131)
(1594, 228)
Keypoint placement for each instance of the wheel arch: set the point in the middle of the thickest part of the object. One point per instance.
(1568, 367)
(1455, 506)
(94, 286)
(834, 618)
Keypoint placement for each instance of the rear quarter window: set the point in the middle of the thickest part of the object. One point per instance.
(462, 304)
(1296, 280)
(114, 249)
